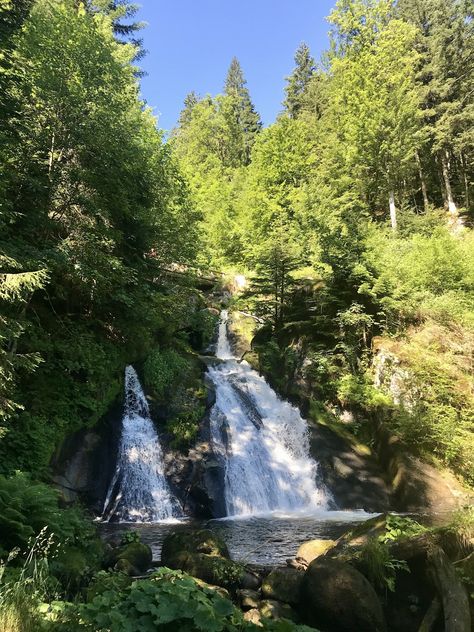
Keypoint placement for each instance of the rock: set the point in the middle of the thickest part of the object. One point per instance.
(312, 549)
(196, 541)
(250, 580)
(210, 568)
(253, 616)
(337, 598)
(124, 566)
(271, 609)
(283, 584)
(248, 599)
(138, 555)
(218, 589)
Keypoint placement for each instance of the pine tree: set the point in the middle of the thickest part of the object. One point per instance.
(299, 80)
(190, 101)
(243, 110)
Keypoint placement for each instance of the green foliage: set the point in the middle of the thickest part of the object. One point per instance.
(163, 370)
(130, 536)
(379, 565)
(169, 600)
(400, 527)
(27, 507)
(23, 589)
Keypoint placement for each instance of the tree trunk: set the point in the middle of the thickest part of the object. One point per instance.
(466, 182)
(393, 210)
(424, 190)
(452, 208)
(453, 595)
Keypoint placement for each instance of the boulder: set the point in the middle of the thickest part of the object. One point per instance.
(283, 584)
(335, 597)
(197, 541)
(272, 609)
(137, 554)
(248, 599)
(210, 568)
(312, 549)
(253, 616)
(124, 566)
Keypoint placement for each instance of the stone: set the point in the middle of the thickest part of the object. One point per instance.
(335, 597)
(312, 549)
(250, 580)
(139, 556)
(195, 541)
(253, 616)
(272, 609)
(222, 592)
(210, 568)
(248, 599)
(283, 584)
(124, 566)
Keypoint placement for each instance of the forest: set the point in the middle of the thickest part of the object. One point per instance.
(350, 219)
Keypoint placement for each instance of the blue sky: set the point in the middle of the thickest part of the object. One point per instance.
(190, 44)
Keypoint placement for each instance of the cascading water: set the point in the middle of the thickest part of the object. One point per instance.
(261, 440)
(139, 491)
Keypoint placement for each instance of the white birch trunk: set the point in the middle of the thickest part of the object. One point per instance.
(393, 210)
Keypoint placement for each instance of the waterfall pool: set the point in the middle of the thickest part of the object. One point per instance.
(266, 540)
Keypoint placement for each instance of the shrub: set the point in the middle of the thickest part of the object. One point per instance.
(168, 601)
(163, 369)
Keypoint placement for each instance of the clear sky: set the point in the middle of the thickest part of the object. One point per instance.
(190, 44)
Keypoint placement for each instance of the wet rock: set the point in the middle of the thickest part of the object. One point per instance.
(196, 541)
(312, 549)
(337, 598)
(248, 599)
(283, 584)
(272, 609)
(136, 554)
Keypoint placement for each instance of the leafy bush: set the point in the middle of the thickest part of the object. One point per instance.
(168, 601)
(163, 369)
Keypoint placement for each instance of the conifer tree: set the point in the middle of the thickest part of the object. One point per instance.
(299, 80)
(243, 110)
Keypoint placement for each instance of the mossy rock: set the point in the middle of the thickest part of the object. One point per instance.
(272, 609)
(210, 568)
(359, 535)
(283, 584)
(248, 599)
(196, 541)
(312, 549)
(335, 596)
(138, 555)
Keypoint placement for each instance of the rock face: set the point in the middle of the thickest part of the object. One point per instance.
(283, 584)
(337, 598)
(84, 464)
(355, 480)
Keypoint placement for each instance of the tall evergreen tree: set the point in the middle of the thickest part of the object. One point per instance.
(242, 108)
(299, 80)
(190, 101)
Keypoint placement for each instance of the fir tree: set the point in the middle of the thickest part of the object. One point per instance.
(298, 81)
(246, 117)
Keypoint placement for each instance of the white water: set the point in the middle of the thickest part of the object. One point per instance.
(262, 441)
(139, 491)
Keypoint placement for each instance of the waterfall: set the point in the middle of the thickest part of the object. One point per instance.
(261, 441)
(139, 491)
